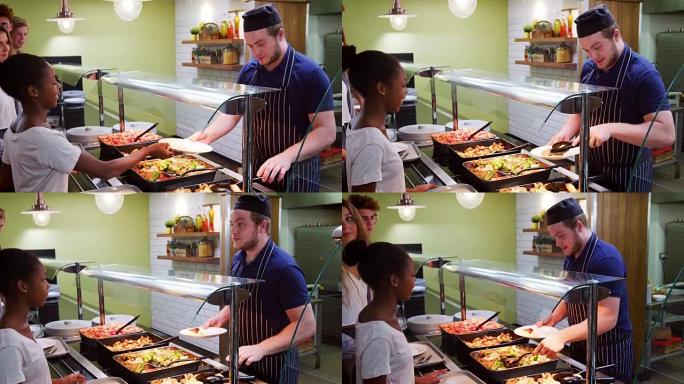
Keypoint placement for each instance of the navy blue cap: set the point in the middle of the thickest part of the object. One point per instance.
(262, 17)
(254, 203)
(594, 20)
(563, 210)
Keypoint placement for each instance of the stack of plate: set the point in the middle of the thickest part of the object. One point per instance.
(420, 133)
(467, 124)
(477, 314)
(135, 126)
(66, 328)
(87, 134)
(123, 319)
(427, 323)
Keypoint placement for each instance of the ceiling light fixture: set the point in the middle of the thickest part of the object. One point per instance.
(40, 211)
(66, 20)
(398, 16)
(128, 10)
(462, 8)
(470, 200)
(406, 207)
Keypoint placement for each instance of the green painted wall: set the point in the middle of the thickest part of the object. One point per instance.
(436, 37)
(146, 44)
(446, 229)
(81, 231)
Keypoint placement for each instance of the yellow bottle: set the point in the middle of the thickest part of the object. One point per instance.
(236, 22)
(211, 217)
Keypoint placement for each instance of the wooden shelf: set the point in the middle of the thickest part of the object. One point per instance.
(191, 235)
(213, 43)
(545, 254)
(222, 67)
(535, 230)
(202, 260)
(572, 66)
(548, 40)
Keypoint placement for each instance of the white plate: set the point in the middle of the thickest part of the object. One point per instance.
(72, 94)
(534, 332)
(136, 126)
(410, 98)
(659, 298)
(187, 146)
(539, 152)
(468, 124)
(203, 332)
(400, 147)
(75, 100)
(418, 349)
(47, 343)
(123, 319)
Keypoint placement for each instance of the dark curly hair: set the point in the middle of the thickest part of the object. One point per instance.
(20, 71)
(370, 67)
(15, 264)
(377, 261)
(6, 11)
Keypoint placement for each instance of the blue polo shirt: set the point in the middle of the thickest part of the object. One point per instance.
(283, 288)
(606, 261)
(306, 88)
(641, 91)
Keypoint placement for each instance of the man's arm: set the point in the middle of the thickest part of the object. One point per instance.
(608, 310)
(322, 135)
(662, 134)
(570, 129)
(220, 127)
(280, 342)
(558, 314)
(221, 319)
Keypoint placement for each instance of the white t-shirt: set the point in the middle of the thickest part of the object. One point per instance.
(372, 159)
(21, 360)
(41, 159)
(8, 110)
(382, 351)
(354, 297)
(8, 113)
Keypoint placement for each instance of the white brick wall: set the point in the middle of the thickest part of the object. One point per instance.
(190, 119)
(524, 120)
(532, 307)
(169, 313)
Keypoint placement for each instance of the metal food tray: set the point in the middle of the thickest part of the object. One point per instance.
(204, 373)
(89, 345)
(463, 350)
(175, 183)
(456, 161)
(559, 182)
(435, 355)
(460, 377)
(504, 374)
(61, 350)
(109, 152)
(563, 373)
(441, 151)
(143, 378)
(105, 356)
(494, 185)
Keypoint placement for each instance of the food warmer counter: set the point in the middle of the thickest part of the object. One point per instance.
(213, 95)
(72, 74)
(571, 286)
(214, 289)
(568, 97)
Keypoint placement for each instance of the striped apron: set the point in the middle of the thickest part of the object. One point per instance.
(274, 132)
(613, 347)
(614, 158)
(254, 327)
